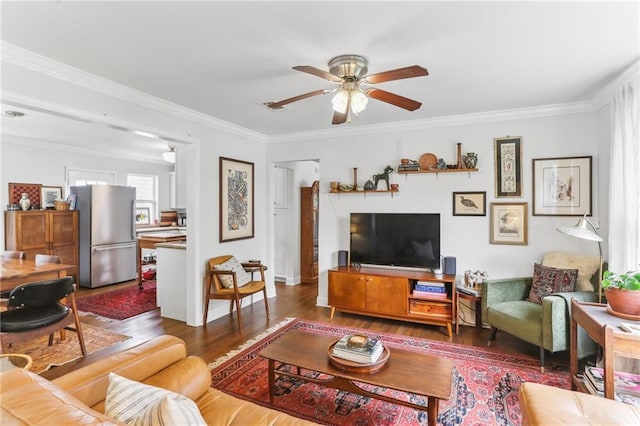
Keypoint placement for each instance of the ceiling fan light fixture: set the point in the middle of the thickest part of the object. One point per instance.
(340, 101)
(358, 101)
(170, 156)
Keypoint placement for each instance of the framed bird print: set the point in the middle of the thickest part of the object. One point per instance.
(470, 203)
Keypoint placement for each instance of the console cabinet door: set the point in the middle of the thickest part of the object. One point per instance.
(347, 290)
(386, 295)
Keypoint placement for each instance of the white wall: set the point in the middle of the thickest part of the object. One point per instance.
(465, 237)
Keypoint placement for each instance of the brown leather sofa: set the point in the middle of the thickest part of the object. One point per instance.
(547, 405)
(79, 397)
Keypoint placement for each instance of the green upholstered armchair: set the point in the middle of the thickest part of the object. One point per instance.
(505, 307)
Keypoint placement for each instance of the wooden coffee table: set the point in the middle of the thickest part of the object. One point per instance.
(406, 371)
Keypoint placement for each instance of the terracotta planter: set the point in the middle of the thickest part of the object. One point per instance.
(623, 301)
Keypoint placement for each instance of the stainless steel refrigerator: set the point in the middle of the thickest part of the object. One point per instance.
(107, 234)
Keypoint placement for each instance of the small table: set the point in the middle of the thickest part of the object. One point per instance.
(605, 329)
(9, 362)
(401, 372)
(478, 307)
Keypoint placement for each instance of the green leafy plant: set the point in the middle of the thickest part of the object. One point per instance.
(626, 281)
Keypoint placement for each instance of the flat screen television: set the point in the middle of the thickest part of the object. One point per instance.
(396, 239)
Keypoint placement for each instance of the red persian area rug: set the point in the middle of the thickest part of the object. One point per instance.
(485, 383)
(121, 303)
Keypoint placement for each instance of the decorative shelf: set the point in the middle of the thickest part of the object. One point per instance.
(415, 172)
(373, 191)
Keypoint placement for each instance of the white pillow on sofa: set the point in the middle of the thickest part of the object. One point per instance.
(232, 264)
(586, 266)
(136, 403)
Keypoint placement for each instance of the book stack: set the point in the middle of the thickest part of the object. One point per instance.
(428, 289)
(626, 385)
(411, 167)
(358, 348)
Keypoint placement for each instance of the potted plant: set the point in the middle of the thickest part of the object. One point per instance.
(622, 292)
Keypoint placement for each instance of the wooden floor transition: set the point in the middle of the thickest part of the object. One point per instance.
(221, 335)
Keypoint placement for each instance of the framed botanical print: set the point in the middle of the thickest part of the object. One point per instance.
(469, 203)
(236, 199)
(508, 166)
(562, 186)
(509, 223)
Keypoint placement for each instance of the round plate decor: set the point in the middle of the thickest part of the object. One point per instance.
(428, 161)
(358, 367)
(622, 315)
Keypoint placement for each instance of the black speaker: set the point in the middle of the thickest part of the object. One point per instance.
(343, 255)
(450, 265)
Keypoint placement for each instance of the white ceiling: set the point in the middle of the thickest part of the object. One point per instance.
(225, 59)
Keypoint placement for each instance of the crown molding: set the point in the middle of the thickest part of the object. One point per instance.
(39, 63)
(445, 121)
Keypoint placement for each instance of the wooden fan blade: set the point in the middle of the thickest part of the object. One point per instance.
(398, 74)
(339, 117)
(393, 99)
(318, 73)
(280, 104)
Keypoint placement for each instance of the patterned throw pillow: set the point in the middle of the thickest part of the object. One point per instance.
(232, 264)
(135, 403)
(548, 280)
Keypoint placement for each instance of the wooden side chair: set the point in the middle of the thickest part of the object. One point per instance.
(37, 311)
(228, 280)
(41, 259)
(14, 254)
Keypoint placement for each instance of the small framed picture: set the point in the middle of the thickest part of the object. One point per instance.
(49, 195)
(508, 223)
(142, 216)
(470, 203)
(508, 166)
(562, 186)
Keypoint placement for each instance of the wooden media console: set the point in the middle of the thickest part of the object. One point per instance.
(388, 293)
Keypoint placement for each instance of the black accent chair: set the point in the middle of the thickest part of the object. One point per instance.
(35, 309)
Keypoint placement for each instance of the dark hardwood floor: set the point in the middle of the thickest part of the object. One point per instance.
(221, 335)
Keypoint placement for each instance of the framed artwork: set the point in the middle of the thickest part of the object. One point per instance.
(469, 203)
(562, 186)
(236, 200)
(49, 195)
(508, 166)
(508, 223)
(142, 216)
(31, 189)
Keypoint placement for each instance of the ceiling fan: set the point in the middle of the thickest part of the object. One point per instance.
(354, 90)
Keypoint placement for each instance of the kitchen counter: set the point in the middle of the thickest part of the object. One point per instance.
(150, 240)
(171, 284)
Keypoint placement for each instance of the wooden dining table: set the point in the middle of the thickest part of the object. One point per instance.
(16, 271)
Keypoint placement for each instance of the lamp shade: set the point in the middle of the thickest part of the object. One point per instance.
(581, 230)
(340, 101)
(358, 101)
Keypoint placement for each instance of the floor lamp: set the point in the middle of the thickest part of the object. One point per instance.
(581, 230)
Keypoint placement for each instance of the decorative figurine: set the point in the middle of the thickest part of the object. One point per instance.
(382, 176)
(25, 202)
(368, 186)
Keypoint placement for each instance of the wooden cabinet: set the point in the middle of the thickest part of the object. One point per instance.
(53, 232)
(309, 210)
(388, 293)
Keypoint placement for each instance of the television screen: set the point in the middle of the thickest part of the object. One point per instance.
(396, 239)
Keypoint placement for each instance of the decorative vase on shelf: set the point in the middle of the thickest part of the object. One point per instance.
(25, 202)
(470, 160)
